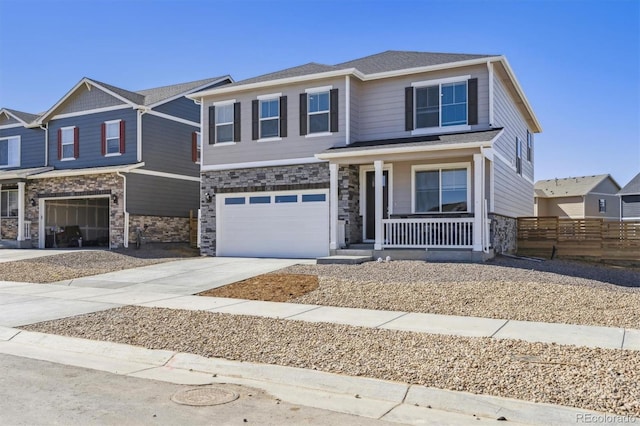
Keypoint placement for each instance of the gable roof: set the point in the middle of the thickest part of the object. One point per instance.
(140, 98)
(568, 187)
(24, 117)
(632, 188)
(391, 63)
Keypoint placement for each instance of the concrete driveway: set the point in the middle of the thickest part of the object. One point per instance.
(23, 303)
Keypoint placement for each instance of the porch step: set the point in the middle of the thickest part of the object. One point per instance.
(8, 244)
(343, 260)
(352, 252)
(361, 246)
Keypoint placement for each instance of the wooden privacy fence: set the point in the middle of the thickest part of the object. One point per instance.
(579, 238)
(194, 229)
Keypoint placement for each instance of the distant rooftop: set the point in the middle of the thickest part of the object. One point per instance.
(568, 187)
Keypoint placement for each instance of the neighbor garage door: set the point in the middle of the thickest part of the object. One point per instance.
(89, 216)
(293, 224)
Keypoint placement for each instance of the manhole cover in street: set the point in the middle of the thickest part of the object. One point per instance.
(204, 396)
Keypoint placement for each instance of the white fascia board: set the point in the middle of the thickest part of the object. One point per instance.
(401, 150)
(521, 94)
(89, 112)
(417, 70)
(9, 114)
(172, 118)
(11, 126)
(86, 81)
(195, 89)
(165, 175)
(267, 163)
(282, 81)
(88, 171)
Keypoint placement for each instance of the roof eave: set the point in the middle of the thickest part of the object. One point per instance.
(6, 111)
(428, 68)
(277, 82)
(187, 92)
(503, 60)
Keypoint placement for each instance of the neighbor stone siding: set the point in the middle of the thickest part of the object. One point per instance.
(504, 233)
(79, 186)
(349, 202)
(280, 178)
(9, 229)
(160, 229)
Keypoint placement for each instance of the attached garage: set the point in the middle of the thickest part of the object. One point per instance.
(76, 222)
(290, 224)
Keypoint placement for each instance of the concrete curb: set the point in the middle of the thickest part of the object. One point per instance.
(372, 398)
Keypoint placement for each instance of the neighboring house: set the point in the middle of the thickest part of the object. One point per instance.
(583, 197)
(100, 163)
(630, 200)
(398, 149)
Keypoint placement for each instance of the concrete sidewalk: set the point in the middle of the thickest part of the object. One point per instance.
(24, 304)
(371, 398)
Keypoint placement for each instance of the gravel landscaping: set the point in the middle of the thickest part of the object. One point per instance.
(596, 379)
(552, 291)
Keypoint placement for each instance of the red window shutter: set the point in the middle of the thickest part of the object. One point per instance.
(194, 147)
(59, 144)
(76, 142)
(104, 139)
(122, 137)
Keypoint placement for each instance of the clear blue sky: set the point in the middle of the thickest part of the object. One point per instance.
(577, 61)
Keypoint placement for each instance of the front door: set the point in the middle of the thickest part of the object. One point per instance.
(370, 213)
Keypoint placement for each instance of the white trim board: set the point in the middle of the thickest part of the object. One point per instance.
(90, 111)
(267, 163)
(164, 175)
(172, 118)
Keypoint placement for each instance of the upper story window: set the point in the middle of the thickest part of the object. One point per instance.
(269, 118)
(10, 152)
(518, 156)
(602, 205)
(113, 138)
(196, 147)
(440, 189)
(319, 111)
(224, 122)
(450, 103)
(529, 146)
(9, 203)
(68, 141)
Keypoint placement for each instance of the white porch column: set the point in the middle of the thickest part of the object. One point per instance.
(478, 190)
(378, 165)
(21, 211)
(333, 206)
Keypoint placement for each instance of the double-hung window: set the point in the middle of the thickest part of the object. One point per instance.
(318, 110)
(602, 205)
(112, 137)
(9, 203)
(529, 146)
(440, 190)
(450, 103)
(269, 118)
(518, 156)
(67, 143)
(224, 123)
(10, 152)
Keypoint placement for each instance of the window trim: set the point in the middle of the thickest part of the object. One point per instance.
(107, 138)
(439, 82)
(529, 146)
(602, 205)
(327, 112)
(519, 156)
(7, 191)
(229, 102)
(18, 151)
(198, 148)
(440, 167)
(62, 144)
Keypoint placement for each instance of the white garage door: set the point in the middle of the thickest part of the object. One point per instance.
(292, 224)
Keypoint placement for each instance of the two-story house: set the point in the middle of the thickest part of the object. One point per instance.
(630, 200)
(102, 162)
(405, 150)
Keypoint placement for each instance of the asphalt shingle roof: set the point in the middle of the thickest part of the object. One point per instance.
(134, 97)
(567, 187)
(24, 116)
(632, 188)
(157, 94)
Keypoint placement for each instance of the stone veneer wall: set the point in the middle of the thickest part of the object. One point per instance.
(504, 233)
(279, 178)
(161, 229)
(9, 229)
(349, 202)
(78, 186)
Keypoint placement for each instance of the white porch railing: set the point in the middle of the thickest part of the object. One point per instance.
(428, 233)
(27, 230)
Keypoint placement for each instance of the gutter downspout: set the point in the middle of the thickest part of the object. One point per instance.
(140, 112)
(46, 143)
(125, 240)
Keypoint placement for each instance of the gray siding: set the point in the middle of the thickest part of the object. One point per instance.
(591, 206)
(631, 207)
(293, 146)
(513, 193)
(84, 100)
(90, 146)
(381, 107)
(166, 146)
(182, 108)
(356, 95)
(31, 145)
(159, 196)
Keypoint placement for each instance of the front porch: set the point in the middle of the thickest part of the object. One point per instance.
(414, 202)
